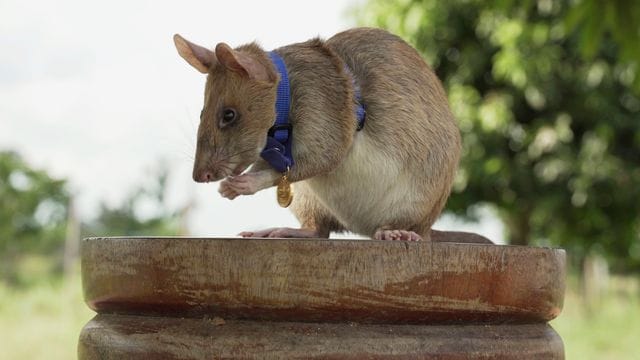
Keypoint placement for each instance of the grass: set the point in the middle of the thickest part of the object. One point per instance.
(609, 328)
(43, 321)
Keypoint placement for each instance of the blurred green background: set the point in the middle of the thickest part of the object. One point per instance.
(547, 96)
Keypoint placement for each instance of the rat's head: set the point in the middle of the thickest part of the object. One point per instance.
(238, 110)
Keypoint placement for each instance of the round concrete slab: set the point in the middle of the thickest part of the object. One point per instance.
(323, 280)
(141, 337)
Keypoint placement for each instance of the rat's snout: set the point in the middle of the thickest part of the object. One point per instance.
(210, 165)
(205, 175)
(207, 167)
(209, 172)
(202, 176)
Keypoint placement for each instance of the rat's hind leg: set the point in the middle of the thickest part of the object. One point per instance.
(387, 234)
(316, 221)
(282, 233)
(413, 226)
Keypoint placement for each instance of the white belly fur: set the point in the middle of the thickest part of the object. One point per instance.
(368, 190)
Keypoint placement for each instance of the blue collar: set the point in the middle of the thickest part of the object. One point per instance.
(277, 151)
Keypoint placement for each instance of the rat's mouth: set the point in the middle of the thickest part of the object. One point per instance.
(219, 171)
(239, 169)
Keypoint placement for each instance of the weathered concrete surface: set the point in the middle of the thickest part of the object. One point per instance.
(140, 337)
(323, 280)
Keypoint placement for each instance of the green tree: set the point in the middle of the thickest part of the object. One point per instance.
(144, 212)
(546, 95)
(33, 210)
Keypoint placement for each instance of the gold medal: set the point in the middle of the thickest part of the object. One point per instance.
(284, 192)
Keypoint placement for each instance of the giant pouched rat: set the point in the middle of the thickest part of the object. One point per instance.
(389, 180)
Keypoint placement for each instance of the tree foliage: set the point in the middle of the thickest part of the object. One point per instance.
(33, 210)
(143, 212)
(546, 95)
(33, 207)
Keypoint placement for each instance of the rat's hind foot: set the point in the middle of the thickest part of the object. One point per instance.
(282, 233)
(384, 234)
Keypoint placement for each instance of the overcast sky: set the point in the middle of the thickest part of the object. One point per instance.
(94, 91)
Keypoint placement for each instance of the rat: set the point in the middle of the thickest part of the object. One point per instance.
(386, 175)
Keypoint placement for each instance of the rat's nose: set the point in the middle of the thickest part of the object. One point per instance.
(203, 176)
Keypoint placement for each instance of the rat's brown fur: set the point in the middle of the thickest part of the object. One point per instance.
(394, 174)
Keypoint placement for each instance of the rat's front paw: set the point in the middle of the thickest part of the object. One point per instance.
(227, 190)
(245, 184)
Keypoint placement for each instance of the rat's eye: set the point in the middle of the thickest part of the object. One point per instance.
(229, 115)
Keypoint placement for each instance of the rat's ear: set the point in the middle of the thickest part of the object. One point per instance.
(199, 57)
(242, 63)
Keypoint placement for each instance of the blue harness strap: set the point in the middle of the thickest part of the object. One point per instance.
(361, 112)
(277, 151)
